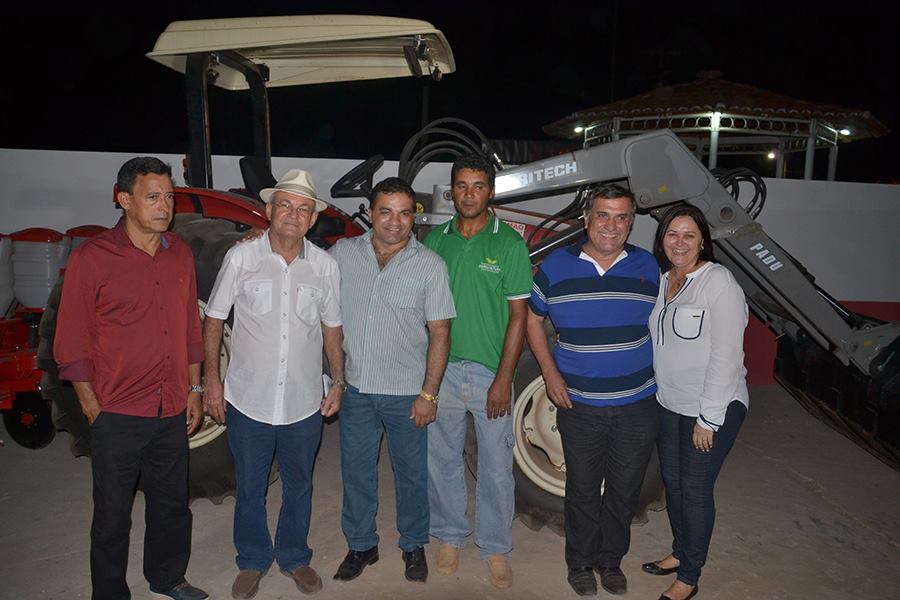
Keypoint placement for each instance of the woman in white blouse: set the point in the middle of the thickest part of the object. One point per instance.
(697, 327)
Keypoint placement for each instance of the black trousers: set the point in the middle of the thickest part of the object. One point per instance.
(123, 448)
(610, 445)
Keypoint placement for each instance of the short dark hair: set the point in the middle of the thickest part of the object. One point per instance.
(682, 210)
(141, 165)
(474, 162)
(392, 185)
(608, 191)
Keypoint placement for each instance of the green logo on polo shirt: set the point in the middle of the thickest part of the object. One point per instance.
(489, 265)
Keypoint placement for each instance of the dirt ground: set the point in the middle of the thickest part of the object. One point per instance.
(802, 513)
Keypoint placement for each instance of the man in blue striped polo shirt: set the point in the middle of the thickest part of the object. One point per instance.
(599, 293)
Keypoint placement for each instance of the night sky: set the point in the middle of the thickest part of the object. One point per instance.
(80, 81)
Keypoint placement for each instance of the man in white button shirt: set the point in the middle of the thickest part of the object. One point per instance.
(285, 294)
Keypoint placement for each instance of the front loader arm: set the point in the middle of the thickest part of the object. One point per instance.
(661, 171)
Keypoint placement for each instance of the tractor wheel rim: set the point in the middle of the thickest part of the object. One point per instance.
(210, 430)
(538, 449)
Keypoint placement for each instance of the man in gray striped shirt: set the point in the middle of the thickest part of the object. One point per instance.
(396, 307)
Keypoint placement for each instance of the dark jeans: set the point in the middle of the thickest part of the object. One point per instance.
(689, 476)
(604, 444)
(124, 447)
(364, 419)
(294, 446)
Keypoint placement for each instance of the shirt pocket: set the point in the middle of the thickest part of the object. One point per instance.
(687, 321)
(404, 294)
(259, 296)
(306, 305)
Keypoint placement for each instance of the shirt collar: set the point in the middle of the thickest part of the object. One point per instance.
(411, 246)
(265, 246)
(693, 273)
(120, 237)
(576, 248)
(493, 225)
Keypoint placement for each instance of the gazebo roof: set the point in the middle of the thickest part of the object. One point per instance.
(709, 93)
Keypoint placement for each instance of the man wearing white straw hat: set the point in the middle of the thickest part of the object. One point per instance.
(285, 295)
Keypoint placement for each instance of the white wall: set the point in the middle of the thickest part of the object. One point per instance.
(846, 234)
(59, 190)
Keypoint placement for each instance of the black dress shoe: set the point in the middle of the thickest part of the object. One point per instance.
(654, 569)
(354, 563)
(416, 565)
(613, 580)
(689, 596)
(583, 581)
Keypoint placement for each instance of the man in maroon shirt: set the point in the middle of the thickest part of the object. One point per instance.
(128, 337)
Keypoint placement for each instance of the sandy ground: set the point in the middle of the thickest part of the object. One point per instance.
(802, 513)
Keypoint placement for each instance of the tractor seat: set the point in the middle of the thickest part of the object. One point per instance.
(256, 174)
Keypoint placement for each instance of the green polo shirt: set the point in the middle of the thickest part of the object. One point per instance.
(485, 271)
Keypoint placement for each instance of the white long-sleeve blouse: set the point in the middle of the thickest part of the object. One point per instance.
(698, 345)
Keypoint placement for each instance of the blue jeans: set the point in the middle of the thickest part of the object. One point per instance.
(689, 476)
(294, 446)
(610, 444)
(363, 420)
(463, 390)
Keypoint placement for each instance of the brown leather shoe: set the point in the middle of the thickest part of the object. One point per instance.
(306, 578)
(246, 584)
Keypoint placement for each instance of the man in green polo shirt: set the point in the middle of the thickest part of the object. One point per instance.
(490, 277)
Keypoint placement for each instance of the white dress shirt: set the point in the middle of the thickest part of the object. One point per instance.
(698, 345)
(275, 372)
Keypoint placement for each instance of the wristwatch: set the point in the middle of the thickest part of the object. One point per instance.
(195, 388)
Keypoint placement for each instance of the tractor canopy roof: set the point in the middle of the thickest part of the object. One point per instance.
(302, 50)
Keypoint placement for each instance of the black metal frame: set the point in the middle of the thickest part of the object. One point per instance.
(200, 71)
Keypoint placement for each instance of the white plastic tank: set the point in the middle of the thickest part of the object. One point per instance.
(38, 255)
(83, 233)
(7, 295)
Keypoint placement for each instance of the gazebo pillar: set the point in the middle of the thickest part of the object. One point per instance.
(810, 150)
(832, 162)
(779, 161)
(714, 139)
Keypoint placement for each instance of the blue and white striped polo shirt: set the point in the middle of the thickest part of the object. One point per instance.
(604, 351)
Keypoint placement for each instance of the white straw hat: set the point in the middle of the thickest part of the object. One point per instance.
(297, 182)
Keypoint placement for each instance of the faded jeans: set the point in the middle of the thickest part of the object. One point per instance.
(463, 390)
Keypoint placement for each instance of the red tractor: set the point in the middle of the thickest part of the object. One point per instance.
(234, 54)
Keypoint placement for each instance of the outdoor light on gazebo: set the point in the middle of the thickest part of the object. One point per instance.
(715, 117)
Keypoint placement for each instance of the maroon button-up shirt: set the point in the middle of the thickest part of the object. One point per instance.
(128, 323)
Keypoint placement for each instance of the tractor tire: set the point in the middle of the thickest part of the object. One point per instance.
(28, 421)
(211, 470)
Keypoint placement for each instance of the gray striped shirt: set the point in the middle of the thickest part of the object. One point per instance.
(385, 312)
